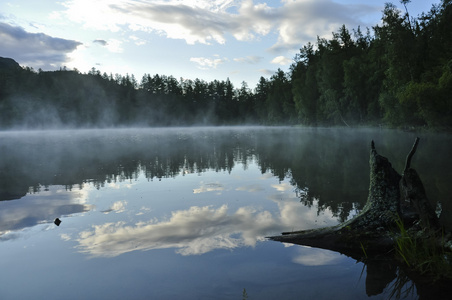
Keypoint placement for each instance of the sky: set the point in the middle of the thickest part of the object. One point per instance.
(211, 40)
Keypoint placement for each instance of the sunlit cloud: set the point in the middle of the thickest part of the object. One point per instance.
(207, 63)
(92, 14)
(281, 60)
(114, 46)
(137, 40)
(295, 21)
(302, 21)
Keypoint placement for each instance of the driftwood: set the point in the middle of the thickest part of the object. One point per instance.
(391, 197)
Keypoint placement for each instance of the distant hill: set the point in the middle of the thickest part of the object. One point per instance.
(8, 63)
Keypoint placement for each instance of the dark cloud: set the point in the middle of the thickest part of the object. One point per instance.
(37, 50)
(101, 42)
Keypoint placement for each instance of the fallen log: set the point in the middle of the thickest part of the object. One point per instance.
(392, 197)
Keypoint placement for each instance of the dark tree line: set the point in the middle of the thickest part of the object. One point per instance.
(398, 73)
(69, 98)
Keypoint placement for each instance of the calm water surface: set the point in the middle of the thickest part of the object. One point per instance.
(183, 213)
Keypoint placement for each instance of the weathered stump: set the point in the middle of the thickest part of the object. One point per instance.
(392, 197)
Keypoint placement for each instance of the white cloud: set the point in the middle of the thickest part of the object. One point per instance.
(205, 63)
(114, 46)
(137, 40)
(295, 21)
(92, 14)
(303, 21)
(281, 60)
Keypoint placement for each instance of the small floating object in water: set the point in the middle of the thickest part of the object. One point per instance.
(57, 222)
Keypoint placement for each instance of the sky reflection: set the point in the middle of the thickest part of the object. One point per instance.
(201, 229)
(209, 187)
(224, 211)
(40, 208)
(161, 219)
(308, 256)
(194, 231)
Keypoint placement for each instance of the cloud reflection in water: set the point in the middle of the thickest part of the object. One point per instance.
(209, 187)
(118, 207)
(308, 256)
(198, 230)
(194, 231)
(40, 208)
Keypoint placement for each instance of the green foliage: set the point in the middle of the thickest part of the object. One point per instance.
(400, 76)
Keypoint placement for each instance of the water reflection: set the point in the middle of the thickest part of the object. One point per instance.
(118, 207)
(209, 187)
(40, 208)
(201, 229)
(323, 164)
(308, 256)
(194, 231)
(196, 191)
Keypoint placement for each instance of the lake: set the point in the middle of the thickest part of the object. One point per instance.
(183, 213)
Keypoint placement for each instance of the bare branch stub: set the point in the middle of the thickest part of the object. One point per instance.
(410, 155)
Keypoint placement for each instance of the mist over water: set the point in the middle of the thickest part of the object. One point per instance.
(179, 199)
(313, 157)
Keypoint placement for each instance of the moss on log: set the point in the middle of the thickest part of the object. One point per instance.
(391, 197)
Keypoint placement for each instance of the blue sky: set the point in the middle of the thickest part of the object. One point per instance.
(237, 39)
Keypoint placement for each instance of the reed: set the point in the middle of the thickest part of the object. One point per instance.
(423, 251)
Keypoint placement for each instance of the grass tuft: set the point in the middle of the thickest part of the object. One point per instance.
(422, 251)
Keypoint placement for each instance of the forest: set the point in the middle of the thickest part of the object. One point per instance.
(395, 74)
